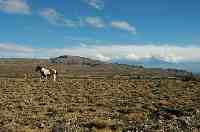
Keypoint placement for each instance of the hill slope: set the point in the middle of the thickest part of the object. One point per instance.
(80, 102)
(80, 66)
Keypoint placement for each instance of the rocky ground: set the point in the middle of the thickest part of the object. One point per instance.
(96, 105)
(92, 96)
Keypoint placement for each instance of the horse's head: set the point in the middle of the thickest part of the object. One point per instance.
(38, 68)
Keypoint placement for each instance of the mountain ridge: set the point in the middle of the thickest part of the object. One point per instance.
(117, 66)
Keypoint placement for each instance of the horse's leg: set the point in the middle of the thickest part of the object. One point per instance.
(54, 77)
(46, 77)
(41, 77)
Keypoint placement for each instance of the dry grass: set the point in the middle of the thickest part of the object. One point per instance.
(101, 102)
(97, 105)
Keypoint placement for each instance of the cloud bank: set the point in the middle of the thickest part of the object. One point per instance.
(168, 53)
(12, 50)
(15, 7)
(11, 47)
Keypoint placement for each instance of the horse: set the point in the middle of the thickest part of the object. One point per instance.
(46, 73)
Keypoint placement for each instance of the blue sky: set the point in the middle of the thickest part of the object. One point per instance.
(101, 29)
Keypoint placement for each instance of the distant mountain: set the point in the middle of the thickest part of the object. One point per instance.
(147, 62)
(75, 60)
(153, 66)
(154, 62)
(80, 66)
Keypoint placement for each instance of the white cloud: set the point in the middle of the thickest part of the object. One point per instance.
(132, 56)
(102, 57)
(123, 25)
(129, 52)
(15, 50)
(96, 22)
(56, 18)
(15, 7)
(133, 52)
(11, 47)
(97, 4)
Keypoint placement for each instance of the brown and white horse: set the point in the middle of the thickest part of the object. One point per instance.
(46, 73)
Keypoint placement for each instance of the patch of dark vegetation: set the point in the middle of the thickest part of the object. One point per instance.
(190, 77)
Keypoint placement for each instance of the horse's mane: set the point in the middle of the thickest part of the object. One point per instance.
(38, 68)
